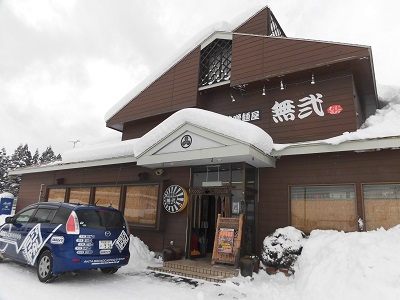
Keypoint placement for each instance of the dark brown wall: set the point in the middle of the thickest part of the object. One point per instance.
(257, 24)
(329, 168)
(256, 58)
(336, 89)
(137, 129)
(174, 90)
(172, 226)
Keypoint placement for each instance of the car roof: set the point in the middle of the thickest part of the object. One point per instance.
(72, 206)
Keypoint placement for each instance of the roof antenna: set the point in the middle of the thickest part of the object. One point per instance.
(75, 142)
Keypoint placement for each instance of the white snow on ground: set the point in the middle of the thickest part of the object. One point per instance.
(333, 265)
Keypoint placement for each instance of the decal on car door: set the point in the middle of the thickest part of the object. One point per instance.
(30, 246)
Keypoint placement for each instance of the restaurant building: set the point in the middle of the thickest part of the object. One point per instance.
(239, 124)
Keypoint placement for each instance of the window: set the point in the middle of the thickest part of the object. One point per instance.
(44, 215)
(107, 196)
(61, 216)
(215, 62)
(382, 205)
(79, 195)
(323, 207)
(141, 205)
(56, 195)
(100, 219)
(24, 216)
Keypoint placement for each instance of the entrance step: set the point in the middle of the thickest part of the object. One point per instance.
(197, 270)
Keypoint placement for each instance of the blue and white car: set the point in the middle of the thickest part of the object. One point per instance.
(61, 237)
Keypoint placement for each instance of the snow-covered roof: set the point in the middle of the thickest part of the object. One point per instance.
(236, 129)
(223, 26)
(128, 150)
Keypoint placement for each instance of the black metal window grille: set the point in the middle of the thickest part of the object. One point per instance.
(276, 29)
(215, 62)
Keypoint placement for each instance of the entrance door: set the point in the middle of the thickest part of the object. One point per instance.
(204, 207)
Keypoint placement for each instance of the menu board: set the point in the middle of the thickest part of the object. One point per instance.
(225, 240)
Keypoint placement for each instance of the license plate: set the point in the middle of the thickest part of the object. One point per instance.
(105, 244)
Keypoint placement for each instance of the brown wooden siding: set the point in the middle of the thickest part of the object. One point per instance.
(255, 58)
(172, 226)
(174, 90)
(336, 89)
(325, 169)
(136, 129)
(257, 24)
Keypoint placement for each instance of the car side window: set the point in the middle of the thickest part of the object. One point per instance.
(44, 215)
(61, 215)
(24, 216)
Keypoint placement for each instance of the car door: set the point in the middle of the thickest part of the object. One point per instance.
(12, 235)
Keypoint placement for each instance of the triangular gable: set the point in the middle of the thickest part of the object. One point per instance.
(194, 145)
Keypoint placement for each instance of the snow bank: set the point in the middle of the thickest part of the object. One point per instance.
(233, 128)
(356, 265)
(141, 256)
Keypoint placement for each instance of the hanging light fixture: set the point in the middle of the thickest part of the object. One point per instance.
(263, 92)
(282, 87)
(312, 79)
(233, 99)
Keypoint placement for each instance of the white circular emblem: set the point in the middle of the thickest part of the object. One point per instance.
(175, 199)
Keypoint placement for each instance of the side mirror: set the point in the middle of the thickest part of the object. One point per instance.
(9, 220)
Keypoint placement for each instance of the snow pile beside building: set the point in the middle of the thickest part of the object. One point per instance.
(355, 265)
(141, 256)
(230, 127)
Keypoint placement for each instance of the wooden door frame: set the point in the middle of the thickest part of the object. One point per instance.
(195, 194)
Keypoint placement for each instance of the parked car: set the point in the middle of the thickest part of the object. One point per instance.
(61, 237)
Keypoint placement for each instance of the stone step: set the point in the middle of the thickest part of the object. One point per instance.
(195, 270)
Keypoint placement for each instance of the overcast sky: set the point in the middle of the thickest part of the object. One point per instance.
(65, 63)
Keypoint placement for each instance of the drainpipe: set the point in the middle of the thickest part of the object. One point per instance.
(40, 192)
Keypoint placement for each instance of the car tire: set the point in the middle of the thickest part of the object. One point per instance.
(109, 270)
(45, 267)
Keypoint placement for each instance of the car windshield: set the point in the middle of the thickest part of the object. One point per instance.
(100, 219)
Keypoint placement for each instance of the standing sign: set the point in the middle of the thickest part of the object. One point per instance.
(6, 205)
(228, 237)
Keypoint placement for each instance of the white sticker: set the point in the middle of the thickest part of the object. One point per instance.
(57, 240)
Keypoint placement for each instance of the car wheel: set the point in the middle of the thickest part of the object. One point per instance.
(45, 267)
(109, 270)
(1, 257)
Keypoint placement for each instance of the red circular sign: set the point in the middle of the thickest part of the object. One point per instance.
(335, 109)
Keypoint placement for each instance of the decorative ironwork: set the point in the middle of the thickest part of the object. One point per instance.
(215, 62)
(275, 28)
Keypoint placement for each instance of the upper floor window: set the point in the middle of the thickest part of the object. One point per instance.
(215, 62)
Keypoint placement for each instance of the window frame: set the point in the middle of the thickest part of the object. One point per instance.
(156, 226)
(325, 185)
(364, 201)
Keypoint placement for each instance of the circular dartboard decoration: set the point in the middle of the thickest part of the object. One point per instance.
(175, 199)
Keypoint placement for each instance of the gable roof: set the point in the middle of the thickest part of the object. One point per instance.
(174, 86)
(115, 116)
